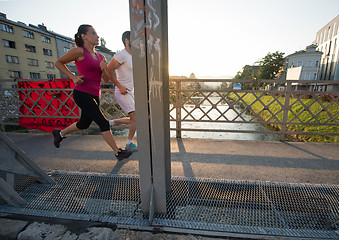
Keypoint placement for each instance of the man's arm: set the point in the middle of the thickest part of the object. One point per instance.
(114, 64)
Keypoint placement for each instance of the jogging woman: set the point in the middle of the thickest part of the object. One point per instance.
(91, 66)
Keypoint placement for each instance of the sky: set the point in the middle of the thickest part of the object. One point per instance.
(212, 39)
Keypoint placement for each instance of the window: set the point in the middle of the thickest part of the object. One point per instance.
(8, 44)
(30, 48)
(317, 63)
(300, 63)
(14, 74)
(12, 59)
(309, 63)
(308, 76)
(47, 52)
(333, 30)
(34, 75)
(27, 34)
(32, 62)
(49, 64)
(6, 28)
(50, 76)
(45, 39)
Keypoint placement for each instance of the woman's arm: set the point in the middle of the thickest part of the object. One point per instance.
(103, 66)
(74, 54)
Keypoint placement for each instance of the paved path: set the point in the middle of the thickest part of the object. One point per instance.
(314, 163)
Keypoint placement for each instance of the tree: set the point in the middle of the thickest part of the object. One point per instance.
(102, 42)
(248, 72)
(270, 65)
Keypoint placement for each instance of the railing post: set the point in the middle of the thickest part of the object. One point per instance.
(286, 109)
(178, 107)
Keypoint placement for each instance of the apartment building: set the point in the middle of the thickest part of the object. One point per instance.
(63, 45)
(327, 41)
(108, 54)
(303, 65)
(29, 52)
(26, 51)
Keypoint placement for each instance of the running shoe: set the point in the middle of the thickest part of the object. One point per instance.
(123, 154)
(131, 147)
(57, 137)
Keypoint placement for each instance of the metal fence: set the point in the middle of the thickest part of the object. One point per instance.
(214, 102)
(273, 102)
(47, 102)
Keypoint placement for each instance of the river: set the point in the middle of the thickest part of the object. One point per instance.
(215, 114)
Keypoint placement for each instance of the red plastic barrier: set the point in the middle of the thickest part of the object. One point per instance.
(47, 104)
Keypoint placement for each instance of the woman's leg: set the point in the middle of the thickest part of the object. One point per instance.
(71, 128)
(90, 108)
(108, 137)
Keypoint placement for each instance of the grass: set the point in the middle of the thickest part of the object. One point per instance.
(320, 113)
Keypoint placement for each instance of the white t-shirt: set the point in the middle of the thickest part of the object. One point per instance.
(125, 71)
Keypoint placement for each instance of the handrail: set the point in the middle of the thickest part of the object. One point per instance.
(186, 104)
(186, 101)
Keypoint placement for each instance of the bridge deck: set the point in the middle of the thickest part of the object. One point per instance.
(222, 187)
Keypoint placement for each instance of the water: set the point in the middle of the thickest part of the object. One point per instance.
(214, 114)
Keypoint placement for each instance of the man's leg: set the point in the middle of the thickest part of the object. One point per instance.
(132, 127)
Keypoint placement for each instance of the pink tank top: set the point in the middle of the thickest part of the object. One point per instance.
(91, 71)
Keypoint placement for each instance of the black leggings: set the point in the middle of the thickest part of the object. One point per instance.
(90, 111)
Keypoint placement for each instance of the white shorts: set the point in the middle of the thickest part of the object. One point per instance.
(126, 101)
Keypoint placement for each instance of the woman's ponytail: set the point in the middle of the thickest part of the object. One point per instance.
(83, 29)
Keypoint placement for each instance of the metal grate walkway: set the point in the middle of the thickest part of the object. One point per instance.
(223, 206)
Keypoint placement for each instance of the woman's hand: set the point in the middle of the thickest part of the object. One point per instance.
(77, 79)
(103, 65)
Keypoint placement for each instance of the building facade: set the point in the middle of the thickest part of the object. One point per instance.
(105, 52)
(29, 52)
(63, 45)
(327, 41)
(26, 51)
(303, 65)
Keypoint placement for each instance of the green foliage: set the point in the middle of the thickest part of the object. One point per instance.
(270, 65)
(268, 68)
(102, 42)
(302, 111)
(225, 86)
(248, 72)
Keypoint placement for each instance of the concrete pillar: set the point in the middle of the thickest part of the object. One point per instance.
(149, 36)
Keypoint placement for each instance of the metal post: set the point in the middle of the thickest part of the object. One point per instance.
(148, 19)
(286, 109)
(178, 107)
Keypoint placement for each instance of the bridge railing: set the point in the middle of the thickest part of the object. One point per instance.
(278, 103)
(218, 103)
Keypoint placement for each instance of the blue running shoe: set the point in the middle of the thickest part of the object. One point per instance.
(131, 147)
